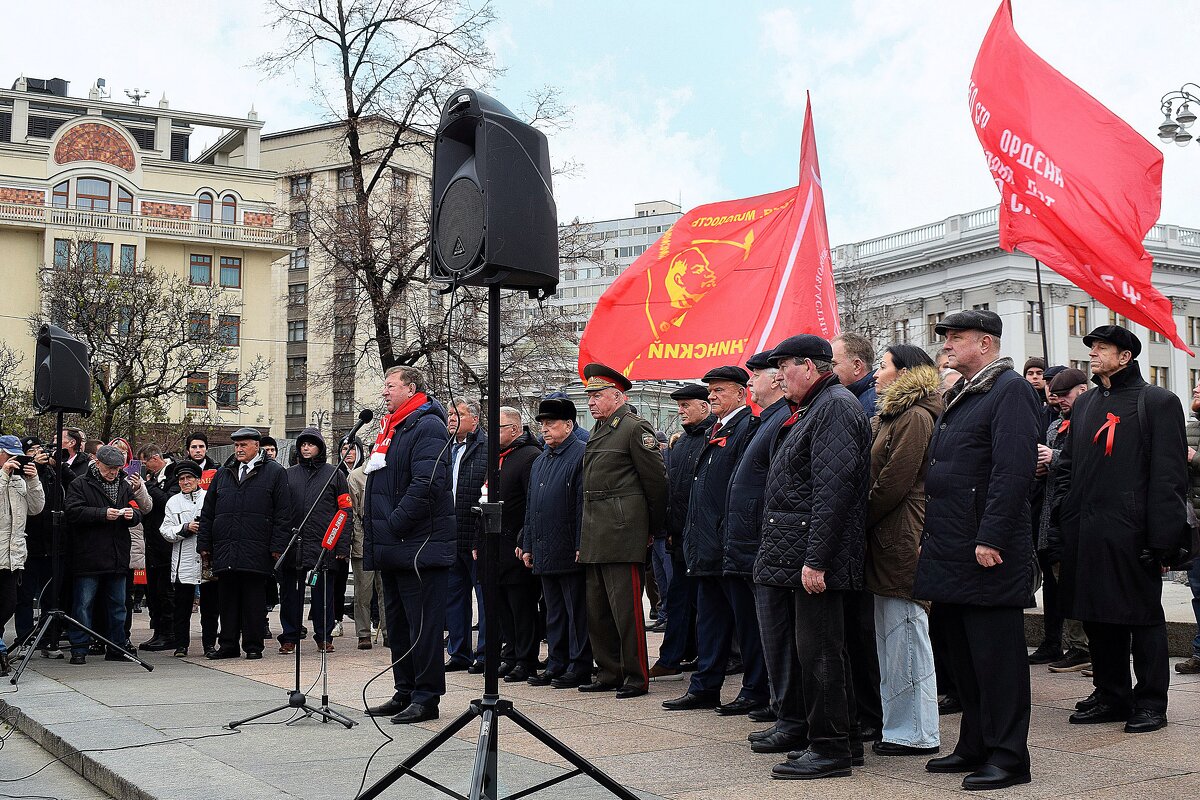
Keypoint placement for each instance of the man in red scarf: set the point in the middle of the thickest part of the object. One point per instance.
(410, 537)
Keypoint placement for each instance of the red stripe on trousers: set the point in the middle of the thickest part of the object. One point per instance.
(640, 625)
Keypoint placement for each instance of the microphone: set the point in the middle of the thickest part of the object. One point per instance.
(332, 534)
(364, 416)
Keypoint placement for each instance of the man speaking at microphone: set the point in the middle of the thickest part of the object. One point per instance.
(410, 536)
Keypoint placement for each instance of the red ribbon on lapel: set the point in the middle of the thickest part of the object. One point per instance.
(720, 442)
(1111, 427)
(1062, 426)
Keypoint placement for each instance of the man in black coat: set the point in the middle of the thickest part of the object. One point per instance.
(813, 535)
(549, 545)
(468, 465)
(724, 606)
(247, 517)
(679, 640)
(318, 485)
(160, 484)
(976, 561)
(101, 510)
(1123, 486)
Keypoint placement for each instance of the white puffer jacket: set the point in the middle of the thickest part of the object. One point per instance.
(18, 500)
(182, 509)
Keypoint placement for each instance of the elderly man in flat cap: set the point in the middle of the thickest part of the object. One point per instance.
(976, 561)
(244, 525)
(1122, 515)
(624, 502)
(724, 606)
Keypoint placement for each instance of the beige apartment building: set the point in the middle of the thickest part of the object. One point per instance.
(118, 175)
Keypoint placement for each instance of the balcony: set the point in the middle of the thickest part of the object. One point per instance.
(82, 221)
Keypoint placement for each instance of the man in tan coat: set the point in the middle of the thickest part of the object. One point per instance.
(624, 502)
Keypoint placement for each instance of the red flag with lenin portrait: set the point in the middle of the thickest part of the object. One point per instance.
(727, 280)
(1079, 188)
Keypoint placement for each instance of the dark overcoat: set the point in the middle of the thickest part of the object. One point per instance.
(306, 480)
(98, 546)
(554, 514)
(515, 463)
(1112, 506)
(682, 455)
(472, 472)
(243, 523)
(703, 547)
(742, 530)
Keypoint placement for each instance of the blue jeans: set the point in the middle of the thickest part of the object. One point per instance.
(461, 581)
(1194, 582)
(111, 588)
(908, 685)
(663, 573)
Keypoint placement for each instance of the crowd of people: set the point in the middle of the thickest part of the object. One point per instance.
(850, 540)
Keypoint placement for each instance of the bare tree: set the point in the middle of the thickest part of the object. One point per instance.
(16, 406)
(153, 338)
(861, 308)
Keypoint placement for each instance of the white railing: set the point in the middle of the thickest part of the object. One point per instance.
(983, 218)
(903, 239)
(82, 219)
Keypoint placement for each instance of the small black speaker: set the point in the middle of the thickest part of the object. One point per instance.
(494, 219)
(62, 377)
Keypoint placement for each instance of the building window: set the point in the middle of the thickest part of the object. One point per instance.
(205, 211)
(931, 322)
(346, 178)
(199, 325)
(227, 390)
(231, 272)
(197, 390)
(300, 221)
(229, 330)
(1160, 376)
(343, 365)
(297, 330)
(92, 194)
(200, 271)
(298, 259)
(60, 195)
(300, 185)
(297, 294)
(128, 259)
(343, 328)
(981, 306)
(229, 209)
(124, 320)
(1118, 319)
(344, 289)
(62, 253)
(295, 405)
(900, 331)
(1077, 320)
(399, 329)
(124, 200)
(343, 402)
(1083, 366)
(297, 368)
(96, 256)
(1033, 316)
(1157, 338)
(399, 181)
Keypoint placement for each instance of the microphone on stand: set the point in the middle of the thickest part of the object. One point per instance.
(364, 416)
(332, 534)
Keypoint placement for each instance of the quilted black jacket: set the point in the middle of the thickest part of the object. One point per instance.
(816, 495)
(703, 547)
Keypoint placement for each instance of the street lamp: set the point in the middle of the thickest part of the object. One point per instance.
(1175, 129)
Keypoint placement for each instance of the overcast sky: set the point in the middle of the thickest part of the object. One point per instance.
(692, 102)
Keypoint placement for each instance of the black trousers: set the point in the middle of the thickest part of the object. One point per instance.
(182, 595)
(567, 642)
(1111, 646)
(415, 605)
(986, 650)
(864, 658)
(518, 609)
(825, 671)
(725, 614)
(1053, 618)
(777, 626)
(210, 615)
(160, 600)
(241, 597)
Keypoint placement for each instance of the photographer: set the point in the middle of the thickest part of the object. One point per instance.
(39, 544)
(20, 495)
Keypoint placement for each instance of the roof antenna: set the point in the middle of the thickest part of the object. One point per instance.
(136, 95)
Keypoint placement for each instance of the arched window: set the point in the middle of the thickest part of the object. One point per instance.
(124, 200)
(229, 209)
(206, 207)
(93, 194)
(59, 199)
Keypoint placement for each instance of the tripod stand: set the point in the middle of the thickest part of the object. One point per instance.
(490, 708)
(297, 700)
(49, 616)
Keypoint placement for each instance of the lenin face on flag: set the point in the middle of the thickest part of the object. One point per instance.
(687, 278)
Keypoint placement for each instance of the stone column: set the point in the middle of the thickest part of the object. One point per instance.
(1057, 334)
(1010, 305)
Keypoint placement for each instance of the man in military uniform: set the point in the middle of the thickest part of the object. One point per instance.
(624, 502)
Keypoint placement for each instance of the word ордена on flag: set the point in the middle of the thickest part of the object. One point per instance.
(727, 280)
(1079, 188)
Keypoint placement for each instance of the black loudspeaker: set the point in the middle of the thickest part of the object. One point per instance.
(62, 377)
(494, 219)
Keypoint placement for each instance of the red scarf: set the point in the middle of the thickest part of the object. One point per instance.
(388, 428)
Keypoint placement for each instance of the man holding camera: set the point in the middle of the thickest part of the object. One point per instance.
(21, 495)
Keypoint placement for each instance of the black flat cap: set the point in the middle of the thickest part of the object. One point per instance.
(246, 433)
(690, 391)
(556, 408)
(732, 374)
(759, 360)
(186, 467)
(1052, 371)
(30, 441)
(597, 377)
(1067, 380)
(803, 345)
(972, 320)
(1115, 334)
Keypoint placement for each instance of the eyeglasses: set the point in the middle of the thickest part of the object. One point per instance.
(510, 425)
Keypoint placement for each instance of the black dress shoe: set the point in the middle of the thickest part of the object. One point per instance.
(390, 708)
(779, 742)
(1144, 721)
(690, 702)
(689, 666)
(568, 680)
(952, 763)
(757, 736)
(764, 714)
(1098, 714)
(949, 705)
(597, 686)
(157, 643)
(505, 668)
(893, 749)
(78, 658)
(114, 655)
(629, 690)
(219, 654)
(518, 674)
(1045, 655)
(542, 678)
(738, 707)
(475, 669)
(253, 655)
(1090, 701)
(454, 665)
(810, 766)
(990, 776)
(416, 712)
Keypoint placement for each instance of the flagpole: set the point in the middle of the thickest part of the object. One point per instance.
(1042, 312)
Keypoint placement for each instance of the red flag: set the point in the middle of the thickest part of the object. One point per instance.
(727, 280)
(1079, 188)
